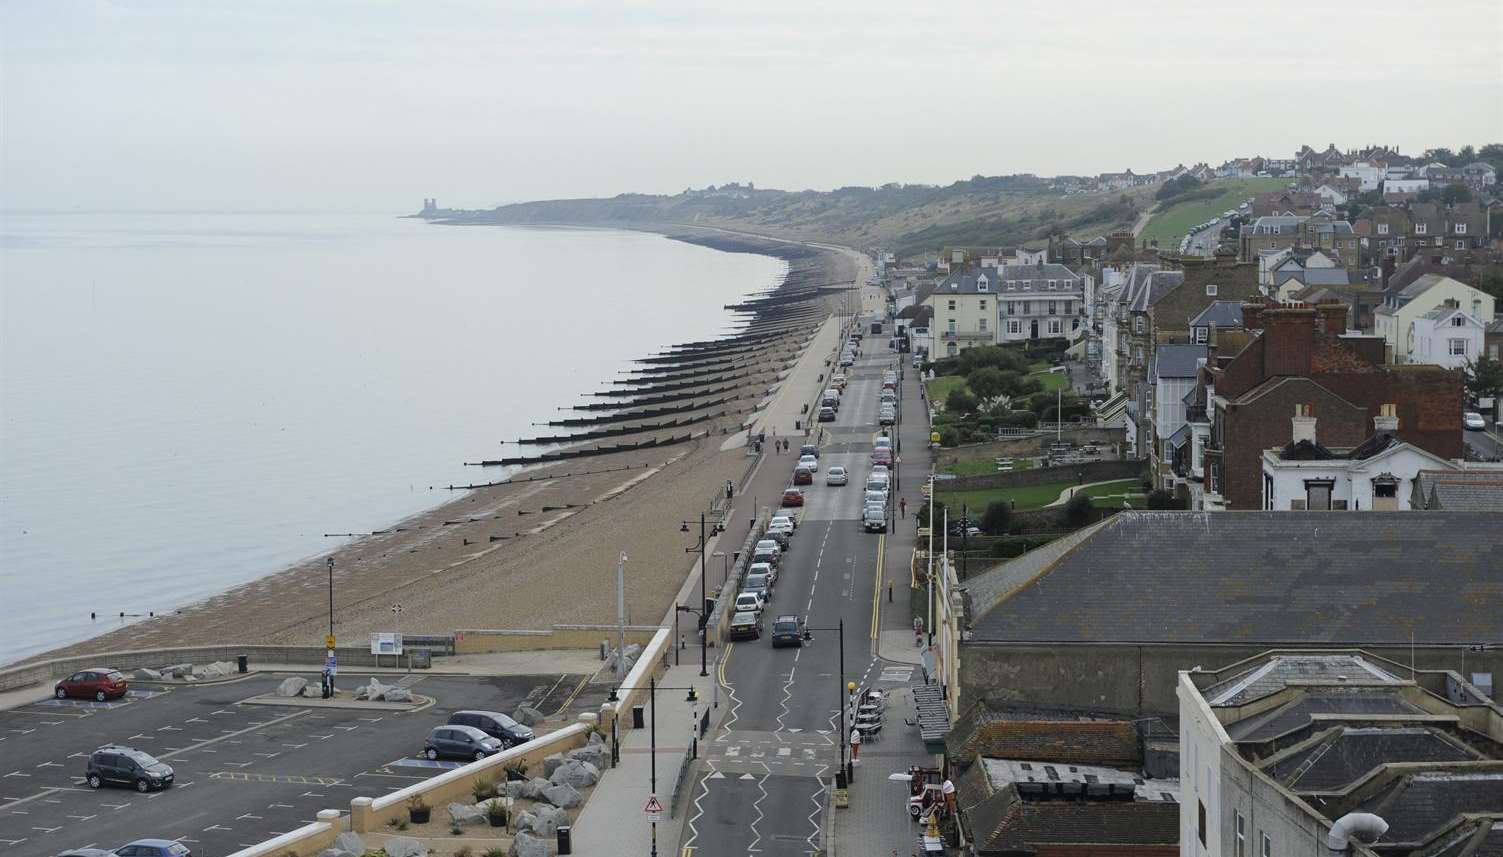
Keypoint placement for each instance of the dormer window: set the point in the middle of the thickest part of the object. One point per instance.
(1382, 228)
(981, 284)
(1420, 228)
(1210, 290)
(1461, 229)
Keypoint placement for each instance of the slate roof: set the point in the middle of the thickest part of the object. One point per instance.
(1277, 672)
(1256, 576)
(1349, 753)
(1300, 712)
(1461, 490)
(1112, 742)
(1223, 314)
(1178, 360)
(1419, 805)
(1154, 286)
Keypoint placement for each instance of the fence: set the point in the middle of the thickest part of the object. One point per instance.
(720, 616)
(684, 764)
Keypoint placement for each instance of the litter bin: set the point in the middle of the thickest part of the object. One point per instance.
(638, 716)
(565, 840)
(242, 663)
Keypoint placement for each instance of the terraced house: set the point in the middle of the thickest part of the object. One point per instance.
(1007, 303)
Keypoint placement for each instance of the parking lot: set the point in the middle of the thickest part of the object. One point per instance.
(244, 772)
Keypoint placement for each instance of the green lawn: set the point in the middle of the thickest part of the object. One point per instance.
(1121, 486)
(940, 387)
(1170, 225)
(982, 466)
(1052, 380)
(1027, 497)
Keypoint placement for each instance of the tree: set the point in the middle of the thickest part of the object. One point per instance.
(988, 382)
(1454, 193)
(960, 402)
(1078, 510)
(1483, 377)
(1161, 499)
(996, 518)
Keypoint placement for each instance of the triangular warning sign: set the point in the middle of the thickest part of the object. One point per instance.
(652, 805)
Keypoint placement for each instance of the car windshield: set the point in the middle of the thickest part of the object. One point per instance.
(837, 470)
(756, 581)
(746, 618)
(785, 627)
(142, 759)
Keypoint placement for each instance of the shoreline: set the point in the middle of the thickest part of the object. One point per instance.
(512, 555)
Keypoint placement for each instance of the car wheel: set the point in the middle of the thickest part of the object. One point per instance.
(62, 694)
(479, 755)
(913, 810)
(99, 696)
(143, 786)
(94, 781)
(432, 754)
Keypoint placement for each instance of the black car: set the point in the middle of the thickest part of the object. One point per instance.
(464, 742)
(126, 766)
(809, 449)
(786, 632)
(495, 724)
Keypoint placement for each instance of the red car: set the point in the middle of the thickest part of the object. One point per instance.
(882, 455)
(99, 684)
(793, 497)
(803, 476)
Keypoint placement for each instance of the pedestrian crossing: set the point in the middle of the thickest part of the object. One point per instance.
(787, 753)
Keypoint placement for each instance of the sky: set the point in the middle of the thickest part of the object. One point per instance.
(374, 105)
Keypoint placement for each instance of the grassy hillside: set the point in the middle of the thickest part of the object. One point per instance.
(1170, 224)
(908, 219)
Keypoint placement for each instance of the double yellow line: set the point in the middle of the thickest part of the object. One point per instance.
(877, 591)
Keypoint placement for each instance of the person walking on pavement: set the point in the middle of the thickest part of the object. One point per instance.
(902, 507)
(855, 745)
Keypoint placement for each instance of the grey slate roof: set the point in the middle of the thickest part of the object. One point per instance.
(1277, 672)
(1223, 314)
(1026, 279)
(1178, 360)
(1465, 490)
(1265, 577)
(1419, 805)
(1300, 713)
(1155, 286)
(1349, 754)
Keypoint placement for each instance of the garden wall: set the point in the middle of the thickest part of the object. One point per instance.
(1093, 471)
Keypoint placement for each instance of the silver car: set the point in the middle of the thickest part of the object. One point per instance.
(836, 476)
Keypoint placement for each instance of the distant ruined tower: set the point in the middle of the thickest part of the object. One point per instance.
(430, 205)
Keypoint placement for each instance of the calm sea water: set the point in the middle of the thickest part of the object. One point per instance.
(190, 401)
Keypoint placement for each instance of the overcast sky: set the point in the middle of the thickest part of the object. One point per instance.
(369, 105)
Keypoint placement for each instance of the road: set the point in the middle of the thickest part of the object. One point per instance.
(761, 791)
(1485, 444)
(1205, 242)
(244, 772)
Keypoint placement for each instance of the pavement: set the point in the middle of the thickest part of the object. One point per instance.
(244, 773)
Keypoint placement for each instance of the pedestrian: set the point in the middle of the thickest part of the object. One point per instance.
(730, 489)
(855, 745)
(918, 631)
(902, 507)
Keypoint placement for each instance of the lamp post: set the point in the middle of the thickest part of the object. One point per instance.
(704, 594)
(331, 620)
(840, 695)
(652, 696)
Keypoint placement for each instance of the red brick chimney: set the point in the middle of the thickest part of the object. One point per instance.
(1288, 341)
(1252, 316)
(1332, 317)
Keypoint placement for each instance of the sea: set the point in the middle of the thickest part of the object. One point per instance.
(189, 401)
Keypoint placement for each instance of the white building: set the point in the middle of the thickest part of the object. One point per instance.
(1405, 185)
(1041, 301)
(1174, 369)
(1378, 474)
(1447, 336)
(1370, 175)
(1396, 320)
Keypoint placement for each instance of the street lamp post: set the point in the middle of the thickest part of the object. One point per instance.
(704, 594)
(840, 694)
(331, 620)
(652, 740)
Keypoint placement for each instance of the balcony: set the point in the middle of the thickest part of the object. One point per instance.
(967, 335)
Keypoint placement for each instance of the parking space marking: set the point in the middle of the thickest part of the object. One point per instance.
(221, 711)
(294, 779)
(296, 746)
(217, 827)
(169, 729)
(17, 774)
(24, 731)
(281, 719)
(50, 765)
(82, 817)
(426, 763)
(48, 829)
(116, 806)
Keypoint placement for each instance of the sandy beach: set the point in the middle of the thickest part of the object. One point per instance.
(534, 553)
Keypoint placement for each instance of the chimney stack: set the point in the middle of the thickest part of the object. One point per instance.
(1385, 423)
(1332, 317)
(1252, 316)
(1304, 429)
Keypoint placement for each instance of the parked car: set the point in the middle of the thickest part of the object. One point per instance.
(764, 568)
(785, 518)
(495, 724)
(874, 519)
(882, 442)
(760, 584)
(809, 449)
(809, 461)
(460, 742)
(882, 456)
(95, 683)
(827, 415)
(1473, 421)
(115, 765)
(793, 497)
(768, 546)
(786, 631)
(87, 852)
(836, 476)
(746, 625)
(153, 848)
(752, 601)
(803, 476)
(887, 418)
(875, 497)
(780, 532)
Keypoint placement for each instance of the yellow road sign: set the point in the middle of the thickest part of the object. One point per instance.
(328, 641)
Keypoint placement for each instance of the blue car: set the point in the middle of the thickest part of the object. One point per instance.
(154, 848)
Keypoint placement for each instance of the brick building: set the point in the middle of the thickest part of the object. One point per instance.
(1302, 366)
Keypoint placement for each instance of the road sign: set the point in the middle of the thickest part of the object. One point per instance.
(328, 641)
(331, 666)
(653, 809)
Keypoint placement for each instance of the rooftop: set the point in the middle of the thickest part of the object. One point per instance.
(1001, 772)
(1252, 577)
(1223, 314)
(1461, 490)
(1178, 360)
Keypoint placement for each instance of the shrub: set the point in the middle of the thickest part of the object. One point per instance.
(960, 402)
(483, 788)
(1021, 419)
(495, 852)
(1161, 499)
(463, 851)
(401, 824)
(996, 518)
(1078, 510)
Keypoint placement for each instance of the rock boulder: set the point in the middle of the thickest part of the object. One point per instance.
(523, 820)
(146, 674)
(552, 763)
(178, 671)
(527, 845)
(218, 669)
(405, 846)
(563, 796)
(294, 686)
(595, 754)
(575, 773)
(397, 694)
(546, 820)
(527, 715)
(350, 842)
(534, 788)
(466, 814)
(516, 789)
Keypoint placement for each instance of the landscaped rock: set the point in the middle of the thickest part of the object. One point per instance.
(351, 842)
(146, 674)
(335, 852)
(516, 789)
(527, 715)
(218, 669)
(465, 814)
(293, 686)
(534, 789)
(404, 846)
(596, 740)
(552, 763)
(575, 773)
(178, 670)
(546, 820)
(523, 820)
(373, 691)
(595, 754)
(398, 694)
(527, 845)
(562, 796)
